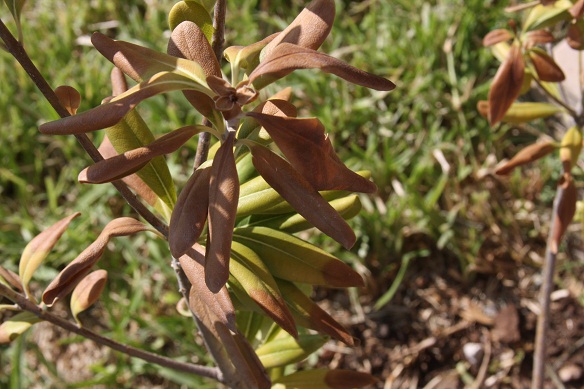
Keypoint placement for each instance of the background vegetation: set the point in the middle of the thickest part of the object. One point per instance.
(429, 151)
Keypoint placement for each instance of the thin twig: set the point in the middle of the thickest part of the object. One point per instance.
(27, 305)
(538, 375)
(217, 42)
(570, 110)
(18, 52)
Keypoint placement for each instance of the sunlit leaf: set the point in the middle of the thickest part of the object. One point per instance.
(70, 276)
(309, 29)
(293, 259)
(523, 112)
(87, 292)
(527, 155)
(542, 16)
(141, 63)
(188, 41)
(301, 195)
(287, 350)
(194, 12)
(16, 326)
(287, 57)
(190, 213)
(223, 197)
(309, 150)
(247, 57)
(38, 248)
(506, 85)
(255, 278)
(109, 114)
(570, 148)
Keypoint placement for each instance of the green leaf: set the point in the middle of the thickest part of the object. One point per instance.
(348, 207)
(287, 350)
(15, 7)
(255, 278)
(192, 11)
(542, 16)
(293, 259)
(131, 133)
(16, 326)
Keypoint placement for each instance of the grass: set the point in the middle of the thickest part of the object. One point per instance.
(424, 143)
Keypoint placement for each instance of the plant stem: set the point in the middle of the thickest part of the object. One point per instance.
(17, 50)
(27, 305)
(217, 44)
(570, 110)
(539, 356)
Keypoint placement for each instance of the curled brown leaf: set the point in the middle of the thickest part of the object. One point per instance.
(87, 291)
(11, 278)
(190, 212)
(69, 98)
(301, 195)
(577, 10)
(118, 81)
(506, 84)
(70, 276)
(223, 197)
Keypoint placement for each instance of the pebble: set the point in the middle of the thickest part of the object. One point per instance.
(570, 372)
(473, 352)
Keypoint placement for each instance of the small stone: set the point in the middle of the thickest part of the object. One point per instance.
(473, 352)
(570, 372)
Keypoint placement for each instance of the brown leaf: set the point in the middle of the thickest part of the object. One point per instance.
(349, 379)
(309, 315)
(11, 278)
(39, 247)
(80, 266)
(69, 98)
(87, 291)
(309, 150)
(546, 68)
(497, 36)
(188, 41)
(219, 304)
(538, 37)
(564, 209)
(118, 81)
(131, 161)
(106, 149)
(526, 155)
(190, 212)
(577, 10)
(506, 85)
(287, 57)
(215, 317)
(223, 197)
(110, 113)
(309, 29)
(247, 57)
(301, 195)
(575, 37)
